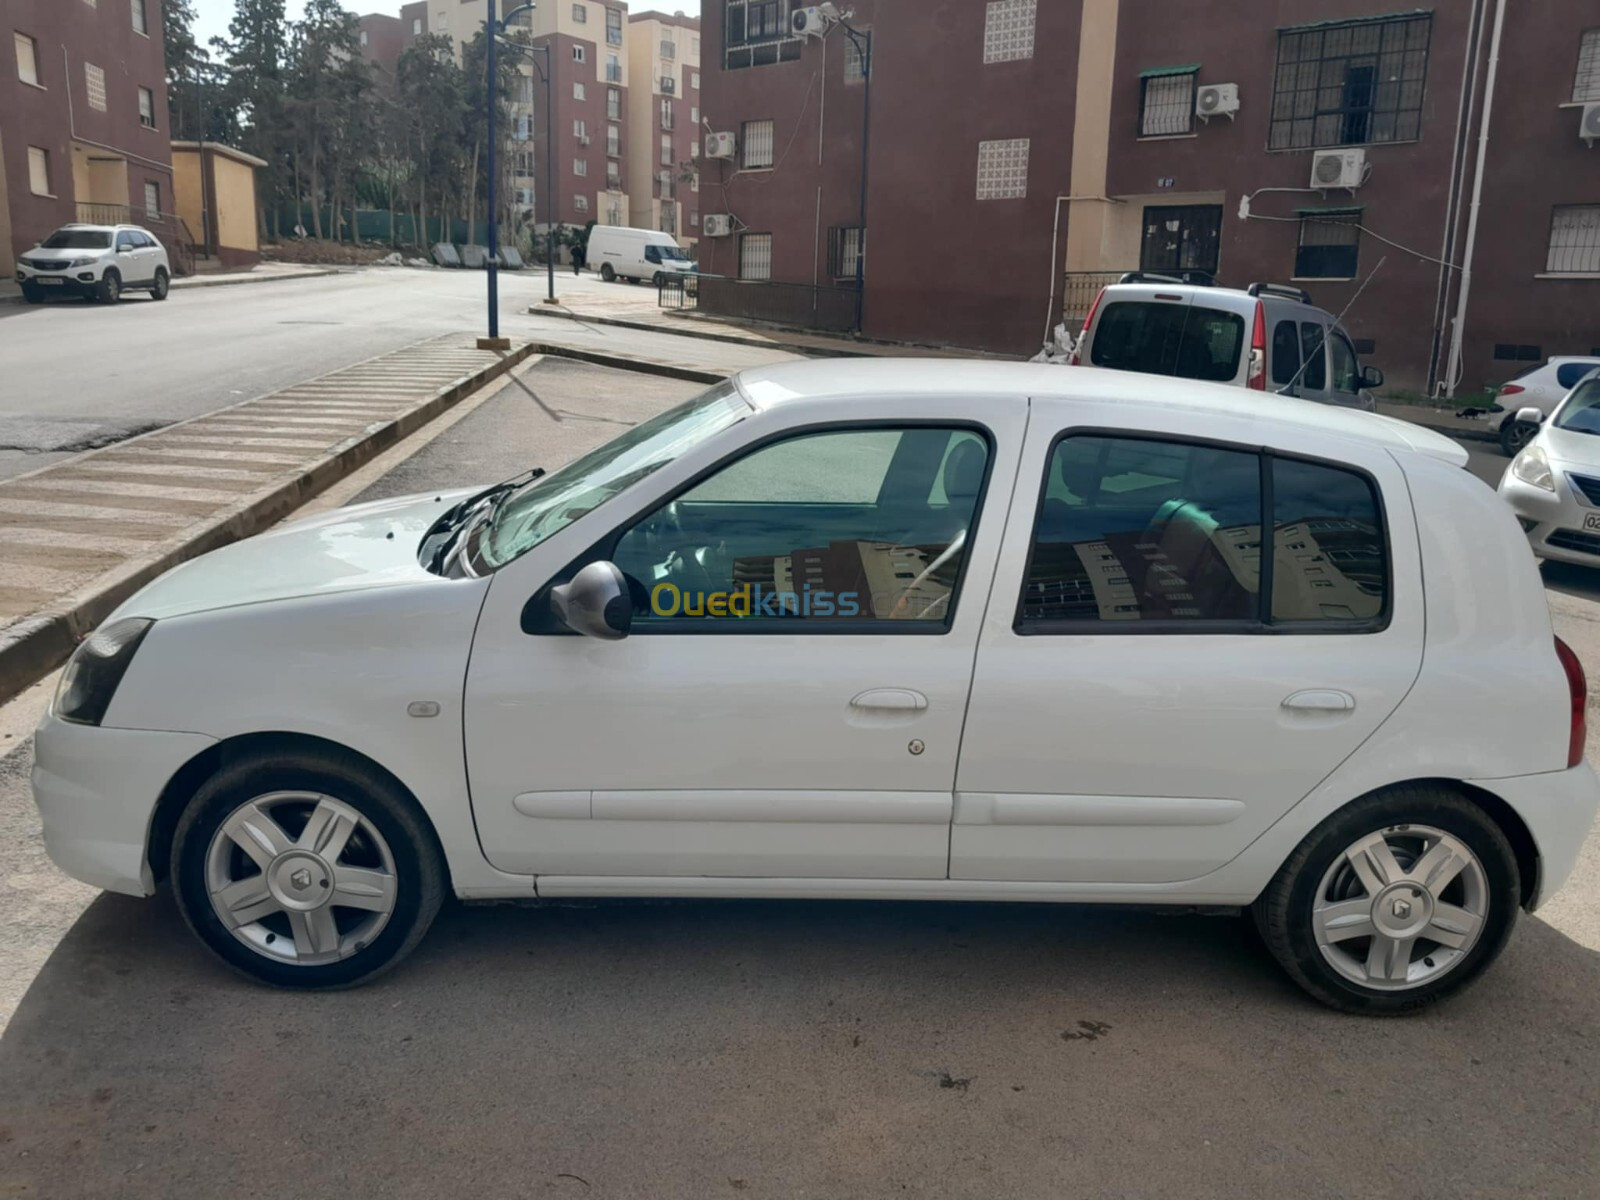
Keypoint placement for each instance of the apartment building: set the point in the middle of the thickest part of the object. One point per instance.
(663, 118)
(1023, 152)
(83, 119)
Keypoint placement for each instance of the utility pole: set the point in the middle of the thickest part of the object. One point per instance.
(494, 341)
(863, 45)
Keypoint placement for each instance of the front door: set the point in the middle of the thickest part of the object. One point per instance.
(790, 700)
(1140, 713)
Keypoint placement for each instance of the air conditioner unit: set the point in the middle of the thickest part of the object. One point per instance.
(721, 145)
(1217, 100)
(1339, 169)
(1589, 127)
(583, 139)
(716, 225)
(808, 22)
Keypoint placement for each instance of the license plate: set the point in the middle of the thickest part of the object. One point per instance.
(1592, 522)
(43, 282)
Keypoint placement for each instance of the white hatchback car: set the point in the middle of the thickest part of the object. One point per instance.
(879, 629)
(97, 262)
(1553, 484)
(1541, 386)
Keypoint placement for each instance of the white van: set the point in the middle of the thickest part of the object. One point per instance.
(621, 252)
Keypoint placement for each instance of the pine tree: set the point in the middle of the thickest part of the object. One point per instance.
(256, 50)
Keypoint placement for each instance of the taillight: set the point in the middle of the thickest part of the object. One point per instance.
(1077, 351)
(1578, 689)
(1511, 389)
(1258, 351)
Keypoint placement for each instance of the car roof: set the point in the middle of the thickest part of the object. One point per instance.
(782, 383)
(1206, 291)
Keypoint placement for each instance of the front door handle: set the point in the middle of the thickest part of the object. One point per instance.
(891, 699)
(1321, 700)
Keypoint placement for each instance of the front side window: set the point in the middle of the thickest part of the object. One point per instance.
(543, 508)
(1574, 240)
(1313, 349)
(1330, 246)
(1350, 83)
(1163, 338)
(1137, 532)
(867, 524)
(1166, 101)
(1285, 353)
(1346, 373)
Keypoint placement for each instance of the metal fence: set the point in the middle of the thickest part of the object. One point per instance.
(678, 291)
(829, 309)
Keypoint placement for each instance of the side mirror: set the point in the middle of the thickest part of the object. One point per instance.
(595, 603)
(1529, 416)
(1371, 378)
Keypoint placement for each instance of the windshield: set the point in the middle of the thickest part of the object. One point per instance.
(77, 239)
(548, 505)
(673, 254)
(1581, 412)
(1168, 339)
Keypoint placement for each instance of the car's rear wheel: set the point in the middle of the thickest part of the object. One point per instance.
(162, 285)
(1514, 435)
(314, 872)
(110, 290)
(658, 278)
(607, 273)
(1394, 902)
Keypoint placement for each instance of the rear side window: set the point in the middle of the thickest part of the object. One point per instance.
(1568, 374)
(1157, 338)
(1285, 352)
(1165, 535)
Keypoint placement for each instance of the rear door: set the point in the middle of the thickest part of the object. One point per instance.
(1161, 331)
(1138, 713)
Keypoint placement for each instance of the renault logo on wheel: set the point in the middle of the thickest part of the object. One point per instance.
(301, 879)
(1402, 908)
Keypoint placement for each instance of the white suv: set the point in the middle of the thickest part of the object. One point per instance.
(98, 262)
(1267, 336)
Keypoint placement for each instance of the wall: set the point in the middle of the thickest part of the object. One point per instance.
(188, 196)
(646, 70)
(8, 261)
(235, 185)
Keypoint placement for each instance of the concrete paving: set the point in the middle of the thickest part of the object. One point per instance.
(666, 1050)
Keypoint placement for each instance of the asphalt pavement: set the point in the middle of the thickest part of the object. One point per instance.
(689, 1049)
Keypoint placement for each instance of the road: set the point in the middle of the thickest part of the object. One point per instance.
(78, 376)
(664, 1050)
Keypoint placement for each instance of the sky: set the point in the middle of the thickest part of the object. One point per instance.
(213, 15)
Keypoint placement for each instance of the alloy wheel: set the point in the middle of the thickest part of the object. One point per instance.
(1400, 908)
(301, 877)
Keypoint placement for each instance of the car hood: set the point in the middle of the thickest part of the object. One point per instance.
(1570, 449)
(344, 550)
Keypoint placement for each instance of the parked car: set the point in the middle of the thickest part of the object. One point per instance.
(621, 252)
(98, 262)
(1541, 386)
(1267, 337)
(861, 629)
(1553, 484)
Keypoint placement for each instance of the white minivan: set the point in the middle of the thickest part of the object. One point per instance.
(621, 252)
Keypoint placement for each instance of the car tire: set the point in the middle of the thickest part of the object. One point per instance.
(109, 290)
(658, 279)
(607, 274)
(1514, 435)
(32, 294)
(316, 829)
(1338, 884)
(162, 286)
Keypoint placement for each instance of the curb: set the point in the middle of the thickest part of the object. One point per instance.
(567, 314)
(37, 644)
(201, 281)
(620, 362)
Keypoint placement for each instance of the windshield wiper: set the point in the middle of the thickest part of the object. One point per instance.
(489, 500)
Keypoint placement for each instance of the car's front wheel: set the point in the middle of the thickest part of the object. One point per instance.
(1394, 902)
(32, 293)
(313, 872)
(162, 285)
(1514, 435)
(110, 290)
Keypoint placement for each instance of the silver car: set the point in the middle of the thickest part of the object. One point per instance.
(1553, 484)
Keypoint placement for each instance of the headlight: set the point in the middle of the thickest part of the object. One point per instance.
(95, 670)
(81, 262)
(1533, 467)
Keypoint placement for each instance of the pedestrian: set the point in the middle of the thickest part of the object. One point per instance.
(580, 257)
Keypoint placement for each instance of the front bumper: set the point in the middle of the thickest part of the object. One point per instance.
(97, 789)
(1559, 808)
(59, 283)
(1554, 521)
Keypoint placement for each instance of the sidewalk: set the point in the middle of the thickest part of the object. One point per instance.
(78, 537)
(1440, 420)
(266, 272)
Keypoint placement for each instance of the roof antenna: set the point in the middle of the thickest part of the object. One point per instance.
(1337, 323)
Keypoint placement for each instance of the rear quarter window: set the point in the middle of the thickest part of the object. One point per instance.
(1164, 338)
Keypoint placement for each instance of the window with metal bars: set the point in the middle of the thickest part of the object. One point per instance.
(844, 251)
(613, 140)
(668, 49)
(755, 256)
(1330, 245)
(669, 216)
(1586, 83)
(614, 26)
(1348, 83)
(755, 144)
(666, 149)
(613, 104)
(1181, 238)
(666, 113)
(756, 33)
(1166, 102)
(1574, 240)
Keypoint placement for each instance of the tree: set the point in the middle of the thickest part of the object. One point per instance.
(256, 50)
(432, 92)
(184, 54)
(475, 66)
(327, 94)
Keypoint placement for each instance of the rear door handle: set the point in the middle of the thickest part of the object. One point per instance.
(1321, 700)
(892, 699)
